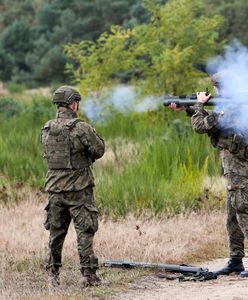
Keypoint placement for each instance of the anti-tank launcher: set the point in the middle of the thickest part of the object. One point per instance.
(186, 101)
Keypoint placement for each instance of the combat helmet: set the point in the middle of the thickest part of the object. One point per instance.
(65, 95)
(216, 79)
(220, 77)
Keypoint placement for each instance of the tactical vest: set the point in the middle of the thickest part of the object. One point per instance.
(57, 142)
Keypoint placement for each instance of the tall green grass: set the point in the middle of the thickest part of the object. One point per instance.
(20, 150)
(157, 163)
(165, 170)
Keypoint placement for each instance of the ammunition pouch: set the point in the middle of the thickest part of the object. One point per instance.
(211, 121)
(47, 217)
(236, 144)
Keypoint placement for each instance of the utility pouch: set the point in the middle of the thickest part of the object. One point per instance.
(246, 152)
(236, 143)
(46, 222)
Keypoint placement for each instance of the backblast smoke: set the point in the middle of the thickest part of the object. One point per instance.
(123, 99)
(232, 68)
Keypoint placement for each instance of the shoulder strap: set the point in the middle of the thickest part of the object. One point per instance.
(72, 123)
(48, 124)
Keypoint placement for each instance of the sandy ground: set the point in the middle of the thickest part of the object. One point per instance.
(224, 288)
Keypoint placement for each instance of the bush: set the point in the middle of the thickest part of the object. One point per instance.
(10, 107)
(14, 87)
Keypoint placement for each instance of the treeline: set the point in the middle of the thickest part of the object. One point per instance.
(33, 32)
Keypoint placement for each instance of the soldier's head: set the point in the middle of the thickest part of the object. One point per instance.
(216, 80)
(220, 81)
(66, 96)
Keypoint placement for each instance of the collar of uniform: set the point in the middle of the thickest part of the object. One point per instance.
(65, 113)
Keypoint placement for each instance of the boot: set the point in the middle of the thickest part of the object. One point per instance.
(244, 274)
(234, 265)
(89, 278)
(53, 279)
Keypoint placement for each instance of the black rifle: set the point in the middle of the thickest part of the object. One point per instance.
(184, 269)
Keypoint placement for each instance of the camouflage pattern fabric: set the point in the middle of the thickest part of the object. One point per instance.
(71, 193)
(235, 170)
(79, 207)
(237, 214)
(83, 138)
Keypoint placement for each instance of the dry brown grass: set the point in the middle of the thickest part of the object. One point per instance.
(184, 238)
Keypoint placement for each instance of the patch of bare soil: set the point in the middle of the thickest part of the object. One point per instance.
(223, 288)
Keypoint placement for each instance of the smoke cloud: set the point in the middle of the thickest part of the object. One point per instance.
(123, 99)
(232, 68)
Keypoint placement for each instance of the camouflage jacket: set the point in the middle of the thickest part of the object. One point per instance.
(87, 142)
(233, 148)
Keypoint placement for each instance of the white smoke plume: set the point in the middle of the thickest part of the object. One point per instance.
(233, 71)
(123, 99)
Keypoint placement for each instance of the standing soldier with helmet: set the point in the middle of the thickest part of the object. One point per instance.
(219, 126)
(70, 147)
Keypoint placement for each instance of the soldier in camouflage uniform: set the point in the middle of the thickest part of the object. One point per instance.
(70, 147)
(234, 155)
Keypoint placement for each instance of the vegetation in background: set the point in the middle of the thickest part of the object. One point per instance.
(153, 160)
(20, 151)
(235, 13)
(166, 55)
(184, 238)
(33, 32)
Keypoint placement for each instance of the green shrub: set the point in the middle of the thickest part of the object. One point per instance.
(14, 87)
(10, 107)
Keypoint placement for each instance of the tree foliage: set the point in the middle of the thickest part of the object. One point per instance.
(164, 55)
(235, 13)
(33, 33)
(42, 27)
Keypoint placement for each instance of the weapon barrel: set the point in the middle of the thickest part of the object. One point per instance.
(191, 102)
(166, 267)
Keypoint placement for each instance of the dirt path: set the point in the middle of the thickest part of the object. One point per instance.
(224, 288)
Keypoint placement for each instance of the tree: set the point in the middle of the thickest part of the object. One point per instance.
(45, 26)
(161, 56)
(235, 12)
(16, 41)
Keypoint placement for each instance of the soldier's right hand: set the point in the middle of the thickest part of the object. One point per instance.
(202, 97)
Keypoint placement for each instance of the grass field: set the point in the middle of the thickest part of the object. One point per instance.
(157, 187)
(185, 238)
(153, 160)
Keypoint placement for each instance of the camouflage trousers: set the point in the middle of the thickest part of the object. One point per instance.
(61, 209)
(237, 214)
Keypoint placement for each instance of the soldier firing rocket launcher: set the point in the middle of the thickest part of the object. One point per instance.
(190, 101)
(187, 101)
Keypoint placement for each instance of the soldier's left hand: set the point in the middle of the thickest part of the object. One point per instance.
(174, 107)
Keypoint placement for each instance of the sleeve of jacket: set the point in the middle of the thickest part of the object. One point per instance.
(190, 111)
(92, 142)
(204, 121)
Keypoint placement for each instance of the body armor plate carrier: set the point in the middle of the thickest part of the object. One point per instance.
(57, 147)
